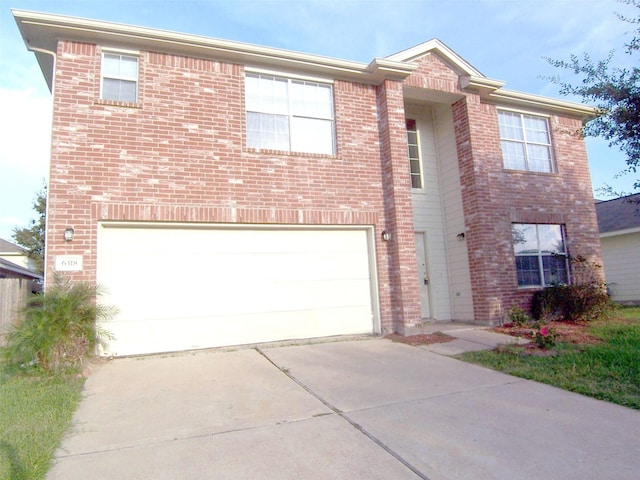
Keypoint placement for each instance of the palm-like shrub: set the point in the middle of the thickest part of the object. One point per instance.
(59, 329)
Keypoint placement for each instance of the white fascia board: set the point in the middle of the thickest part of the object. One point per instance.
(42, 30)
(480, 84)
(493, 91)
(617, 233)
(512, 97)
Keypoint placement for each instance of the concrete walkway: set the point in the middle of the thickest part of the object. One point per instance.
(359, 409)
(468, 338)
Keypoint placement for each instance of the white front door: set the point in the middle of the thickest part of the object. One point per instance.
(423, 275)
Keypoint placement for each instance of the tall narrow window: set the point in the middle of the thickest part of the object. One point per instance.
(526, 142)
(119, 77)
(541, 254)
(289, 115)
(415, 169)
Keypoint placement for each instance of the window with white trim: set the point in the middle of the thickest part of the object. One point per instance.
(119, 77)
(289, 115)
(415, 167)
(526, 142)
(541, 254)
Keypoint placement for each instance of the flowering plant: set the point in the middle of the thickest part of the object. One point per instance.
(545, 337)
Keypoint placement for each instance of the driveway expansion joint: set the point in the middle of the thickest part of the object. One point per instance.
(342, 415)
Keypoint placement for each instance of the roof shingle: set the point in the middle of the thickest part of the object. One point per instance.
(619, 214)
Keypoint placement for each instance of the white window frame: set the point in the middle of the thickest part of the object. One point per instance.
(417, 158)
(103, 75)
(544, 282)
(525, 142)
(290, 115)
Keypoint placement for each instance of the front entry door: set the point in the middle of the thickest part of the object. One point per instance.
(423, 275)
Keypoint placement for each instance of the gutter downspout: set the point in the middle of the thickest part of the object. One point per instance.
(46, 211)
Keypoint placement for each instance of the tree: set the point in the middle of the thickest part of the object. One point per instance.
(615, 92)
(32, 237)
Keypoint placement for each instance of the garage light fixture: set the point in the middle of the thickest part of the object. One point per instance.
(386, 236)
(68, 234)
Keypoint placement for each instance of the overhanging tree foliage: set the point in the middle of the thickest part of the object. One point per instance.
(615, 92)
(32, 237)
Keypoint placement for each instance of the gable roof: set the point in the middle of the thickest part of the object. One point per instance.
(41, 32)
(8, 247)
(619, 214)
(455, 61)
(489, 89)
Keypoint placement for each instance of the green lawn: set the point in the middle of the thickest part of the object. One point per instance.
(35, 411)
(608, 371)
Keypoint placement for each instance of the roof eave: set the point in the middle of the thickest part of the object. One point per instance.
(493, 91)
(623, 231)
(17, 269)
(42, 31)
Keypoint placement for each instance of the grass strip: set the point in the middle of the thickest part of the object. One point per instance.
(608, 371)
(35, 412)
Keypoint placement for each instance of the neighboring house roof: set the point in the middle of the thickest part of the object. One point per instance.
(619, 214)
(8, 247)
(7, 266)
(41, 32)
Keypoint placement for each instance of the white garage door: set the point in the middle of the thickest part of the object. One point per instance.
(182, 288)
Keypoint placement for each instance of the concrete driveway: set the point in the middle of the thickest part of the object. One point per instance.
(360, 409)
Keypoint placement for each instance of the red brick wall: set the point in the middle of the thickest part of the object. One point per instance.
(494, 198)
(178, 155)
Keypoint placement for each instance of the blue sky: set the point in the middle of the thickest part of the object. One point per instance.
(504, 39)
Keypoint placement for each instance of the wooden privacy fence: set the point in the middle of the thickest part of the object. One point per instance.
(13, 295)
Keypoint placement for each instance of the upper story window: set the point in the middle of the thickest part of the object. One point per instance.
(541, 254)
(415, 167)
(526, 142)
(289, 115)
(119, 77)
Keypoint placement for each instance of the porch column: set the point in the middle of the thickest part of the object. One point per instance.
(400, 249)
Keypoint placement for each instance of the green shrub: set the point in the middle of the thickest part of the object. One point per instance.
(517, 316)
(585, 299)
(58, 330)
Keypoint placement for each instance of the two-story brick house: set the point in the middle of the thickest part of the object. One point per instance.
(226, 193)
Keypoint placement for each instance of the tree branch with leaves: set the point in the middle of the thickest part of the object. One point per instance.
(32, 237)
(614, 92)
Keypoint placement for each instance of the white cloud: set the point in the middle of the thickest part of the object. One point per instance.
(25, 131)
(25, 138)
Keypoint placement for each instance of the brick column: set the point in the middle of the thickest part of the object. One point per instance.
(400, 250)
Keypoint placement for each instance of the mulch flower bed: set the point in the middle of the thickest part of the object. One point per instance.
(420, 339)
(568, 332)
(565, 332)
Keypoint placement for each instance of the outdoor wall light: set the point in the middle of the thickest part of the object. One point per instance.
(460, 237)
(386, 236)
(68, 234)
